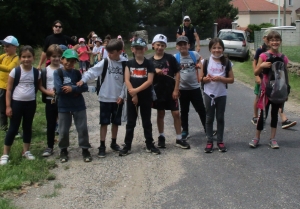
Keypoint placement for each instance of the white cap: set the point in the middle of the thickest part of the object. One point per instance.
(95, 35)
(186, 18)
(160, 38)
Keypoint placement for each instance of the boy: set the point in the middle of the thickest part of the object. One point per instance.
(167, 89)
(139, 75)
(111, 92)
(285, 122)
(189, 84)
(8, 61)
(71, 103)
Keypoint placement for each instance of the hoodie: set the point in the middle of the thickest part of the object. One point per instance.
(113, 85)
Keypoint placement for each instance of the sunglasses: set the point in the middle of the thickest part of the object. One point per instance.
(57, 26)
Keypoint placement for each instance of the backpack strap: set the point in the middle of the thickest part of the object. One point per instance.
(61, 75)
(104, 70)
(36, 73)
(177, 56)
(16, 79)
(205, 65)
(192, 55)
(44, 83)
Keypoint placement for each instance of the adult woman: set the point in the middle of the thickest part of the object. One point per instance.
(56, 38)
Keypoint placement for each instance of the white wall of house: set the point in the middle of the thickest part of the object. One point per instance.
(245, 20)
(290, 4)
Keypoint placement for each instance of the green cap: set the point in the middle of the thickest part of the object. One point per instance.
(69, 54)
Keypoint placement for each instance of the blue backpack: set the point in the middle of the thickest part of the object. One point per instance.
(192, 55)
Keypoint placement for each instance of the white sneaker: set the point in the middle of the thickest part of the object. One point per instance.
(28, 155)
(4, 160)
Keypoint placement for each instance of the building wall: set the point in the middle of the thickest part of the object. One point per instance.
(295, 5)
(246, 19)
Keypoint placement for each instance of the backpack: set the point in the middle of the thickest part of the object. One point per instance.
(205, 65)
(98, 83)
(44, 83)
(192, 55)
(18, 76)
(276, 80)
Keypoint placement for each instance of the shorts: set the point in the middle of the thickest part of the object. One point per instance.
(110, 112)
(256, 89)
(169, 104)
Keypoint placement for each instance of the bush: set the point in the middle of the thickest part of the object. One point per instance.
(254, 27)
(224, 23)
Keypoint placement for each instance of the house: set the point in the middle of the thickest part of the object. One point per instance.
(293, 5)
(260, 11)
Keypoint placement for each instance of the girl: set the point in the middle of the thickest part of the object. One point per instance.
(46, 86)
(97, 51)
(83, 53)
(21, 102)
(263, 66)
(215, 77)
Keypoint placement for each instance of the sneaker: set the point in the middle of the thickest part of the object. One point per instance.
(287, 124)
(161, 142)
(47, 152)
(101, 152)
(222, 147)
(28, 155)
(64, 156)
(115, 147)
(209, 147)
(185, 135)
(152, 149)
(4, 160)
(273, 144)
(182, 144)
(86, 155)
(125, 151)
(254, 143)
(254, 121)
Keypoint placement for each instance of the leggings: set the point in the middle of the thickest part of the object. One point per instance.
(21, 110)
(274, 116)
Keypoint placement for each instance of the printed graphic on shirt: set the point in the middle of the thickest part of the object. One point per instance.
(67, 80)
(138, 72)
(115, 70)
(187, 65)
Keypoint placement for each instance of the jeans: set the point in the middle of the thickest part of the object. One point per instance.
(51, 118)
(217, 108)
(80, 121)
(84, 65)
(145, 104)
(195, 97)
(21, 110)
(3, 117)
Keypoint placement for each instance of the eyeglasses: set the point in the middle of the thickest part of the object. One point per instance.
(57, 26)
(186, 20)
(275, 40)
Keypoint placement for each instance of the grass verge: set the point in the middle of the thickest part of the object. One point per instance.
(243, 71)
(6, 204)
(292, 52)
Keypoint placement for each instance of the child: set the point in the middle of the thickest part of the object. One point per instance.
(111, 92)
(167, 90)
(263, 66)
(21, 91)
(286, 123)
(215, 75)
(189, 85)
(97, 50)
(8, 61)
(139, 75)
(83, 53)
(71, 104)
(46, 86)
(104, 53)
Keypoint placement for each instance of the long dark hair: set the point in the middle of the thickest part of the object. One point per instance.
(218, 41)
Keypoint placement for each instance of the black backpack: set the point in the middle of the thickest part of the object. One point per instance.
(98, 83)
(205, 65)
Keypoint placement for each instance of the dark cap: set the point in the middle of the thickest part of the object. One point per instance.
(138, 42)
(182, 39)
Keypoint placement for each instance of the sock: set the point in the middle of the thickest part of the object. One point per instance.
(102, 143)
(178, 137)
(113, 141)
(162, 134)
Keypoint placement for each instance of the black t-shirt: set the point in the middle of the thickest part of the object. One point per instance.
(260, 50)
(139, 75)
(164, 84)
(189, 32)
(59, 39)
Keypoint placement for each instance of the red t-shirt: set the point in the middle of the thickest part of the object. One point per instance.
(84, 56)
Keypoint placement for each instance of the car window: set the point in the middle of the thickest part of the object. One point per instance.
(231, 36)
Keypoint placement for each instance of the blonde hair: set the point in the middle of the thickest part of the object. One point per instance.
(53, 49)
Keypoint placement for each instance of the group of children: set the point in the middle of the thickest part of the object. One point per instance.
(173, 80)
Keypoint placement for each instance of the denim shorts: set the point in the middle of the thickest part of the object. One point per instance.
(110, 112)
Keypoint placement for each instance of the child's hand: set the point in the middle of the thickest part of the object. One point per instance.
(207, 79)
(158, 71)
(266, 65)
(8, 112)
(135, 100)
(79, 83)
(66, 89)
(175, 94)
(50, 92)
(119, 100)
(132, 92)
(216, 78)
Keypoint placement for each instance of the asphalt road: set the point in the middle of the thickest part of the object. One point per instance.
(242, 177)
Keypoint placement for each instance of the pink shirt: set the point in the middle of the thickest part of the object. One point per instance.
(263, 56)
(84, 56)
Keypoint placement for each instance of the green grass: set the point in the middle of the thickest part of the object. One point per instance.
(6, 204)
(292, 52)
(243, 71)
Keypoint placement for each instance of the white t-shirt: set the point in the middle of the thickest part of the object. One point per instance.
(50, 80)
(105, 54)
(25, 90)
(215, 88)
(97, 49)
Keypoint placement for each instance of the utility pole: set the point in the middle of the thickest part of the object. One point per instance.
(278, 21)
(284, 12)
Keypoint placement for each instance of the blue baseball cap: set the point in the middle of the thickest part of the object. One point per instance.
(63, 47)
(10, 40)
